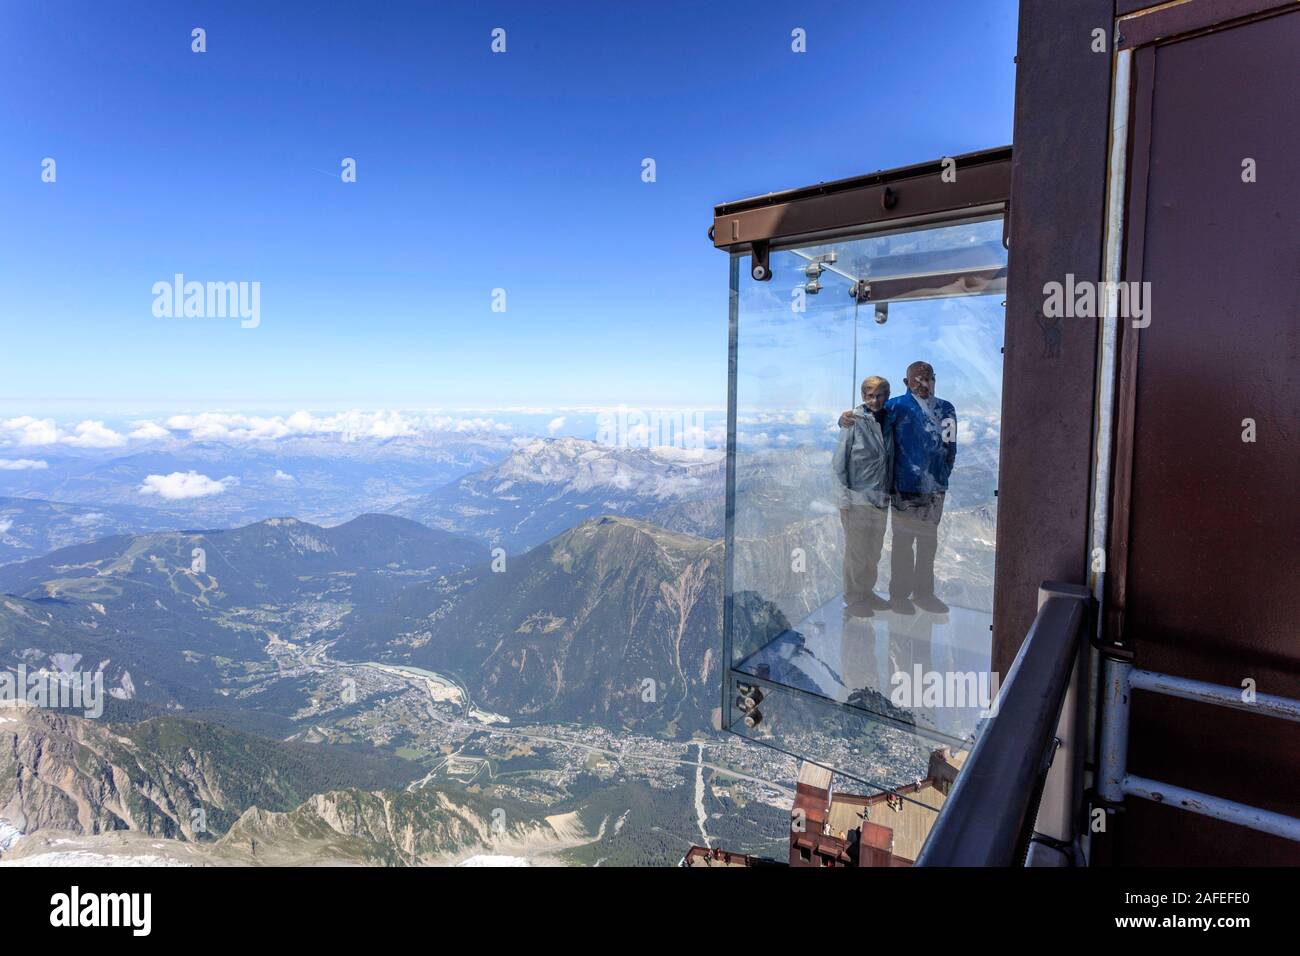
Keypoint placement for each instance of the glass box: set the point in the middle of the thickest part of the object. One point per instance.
(860, 559)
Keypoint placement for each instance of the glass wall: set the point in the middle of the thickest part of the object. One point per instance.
(866, 395)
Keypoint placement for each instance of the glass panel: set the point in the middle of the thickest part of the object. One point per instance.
(881, 753)
(861, 586)
(896, 778)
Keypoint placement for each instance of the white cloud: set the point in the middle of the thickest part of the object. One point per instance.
(149, 431)
(386, 425)
(184, 484)
(715, 436)
(555, 425)
(5, 525)
(975, 428)
(22, 464)
(27, 430)
(347, 426)
(283, 476)
(778, 417)
(218, 426)
(93, 434)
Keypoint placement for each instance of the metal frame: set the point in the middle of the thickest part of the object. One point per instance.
(1182, 18)
(729, 507)
(1139, 34)
(1058, 206)
(894, 200)
(1116, 783)
(1108, 446)
(1058, 838)
(981, 182)
(988, 818)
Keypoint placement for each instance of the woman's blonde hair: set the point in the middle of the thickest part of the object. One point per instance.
(874, 381)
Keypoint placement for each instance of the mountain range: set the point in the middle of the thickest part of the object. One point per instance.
(171, 790)
(31, 527)
(320, 480)
(546, 486)
(400, 637)
(184, 619)
(614, 621)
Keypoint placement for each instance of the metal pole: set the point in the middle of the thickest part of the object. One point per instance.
(1113, 756)
(1108, 347)
(1058, 808)
(1269, 705)
(1107, 387)
(853, 396)
(1220, 809)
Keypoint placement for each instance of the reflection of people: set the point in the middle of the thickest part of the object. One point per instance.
(925, 446)
(864, 465)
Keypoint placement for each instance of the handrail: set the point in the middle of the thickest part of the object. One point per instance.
(1115, 782)
(989, 814)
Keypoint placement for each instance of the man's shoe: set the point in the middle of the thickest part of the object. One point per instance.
(859, 609)
(901, 605)
(876, 602)
(929, 602)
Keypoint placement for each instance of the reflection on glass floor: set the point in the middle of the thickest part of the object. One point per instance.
(927, 670)
(859, 745)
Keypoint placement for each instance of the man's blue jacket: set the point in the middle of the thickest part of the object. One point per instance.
(922, 459)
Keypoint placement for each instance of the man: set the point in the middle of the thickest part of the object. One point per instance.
(925, 446)
(864, 463)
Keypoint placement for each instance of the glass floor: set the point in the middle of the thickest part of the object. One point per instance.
(854, 660)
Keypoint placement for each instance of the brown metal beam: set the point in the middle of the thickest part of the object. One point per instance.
(975, 181)
(938, 286)
(1049, 366)
(1187, 17)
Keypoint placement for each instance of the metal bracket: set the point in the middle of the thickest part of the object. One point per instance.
(1111, 650)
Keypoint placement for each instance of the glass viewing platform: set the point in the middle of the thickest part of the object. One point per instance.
(861, 559)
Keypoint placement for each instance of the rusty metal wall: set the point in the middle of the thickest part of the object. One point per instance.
(1058, 189)
(1212, 583)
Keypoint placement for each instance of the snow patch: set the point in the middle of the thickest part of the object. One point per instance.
(9, 834)
(487, 859)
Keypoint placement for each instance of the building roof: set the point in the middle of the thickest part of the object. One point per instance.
(814, 776)
(713, 856)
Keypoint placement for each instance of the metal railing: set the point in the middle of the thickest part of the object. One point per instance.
(1121, 679)
(988, 818)
(990, 815)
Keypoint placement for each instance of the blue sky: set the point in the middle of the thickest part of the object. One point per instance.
(475, 171)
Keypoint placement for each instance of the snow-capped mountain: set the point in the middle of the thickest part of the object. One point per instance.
(548, 485)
